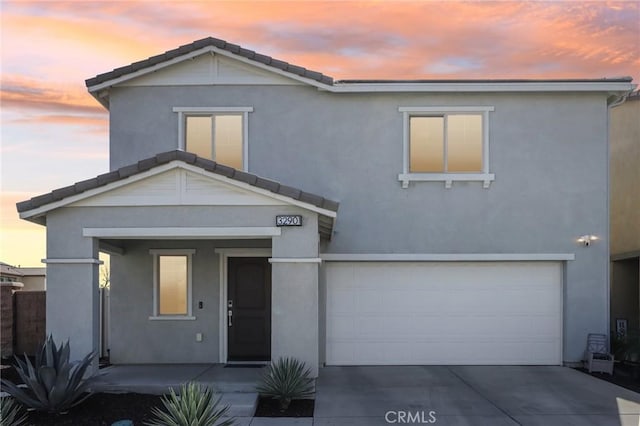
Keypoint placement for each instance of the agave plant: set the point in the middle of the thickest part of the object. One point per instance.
(197, 405)
(52, 384)
(286, 379)
(11, 413)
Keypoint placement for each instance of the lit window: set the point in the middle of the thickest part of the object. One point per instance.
(446, 144)
(217, 137)
(172, 283)
(219, 134)
(449, 143)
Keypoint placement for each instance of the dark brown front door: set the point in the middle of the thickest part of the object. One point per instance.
(249, 305)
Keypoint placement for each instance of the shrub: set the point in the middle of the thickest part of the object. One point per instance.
(53, 384)
(11, 413)
(197, 405)
(286, 379)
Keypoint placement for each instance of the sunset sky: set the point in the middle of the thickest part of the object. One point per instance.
(54, 133)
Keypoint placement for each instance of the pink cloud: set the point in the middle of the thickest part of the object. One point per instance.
(23, 93)
(361, 39)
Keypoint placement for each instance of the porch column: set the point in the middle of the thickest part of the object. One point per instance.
(294, 287)
(72, 287)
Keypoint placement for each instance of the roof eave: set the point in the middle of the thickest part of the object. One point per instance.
(473, 86)
(36, 209)
(105, 85)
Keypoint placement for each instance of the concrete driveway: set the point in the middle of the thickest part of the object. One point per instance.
(470, 395)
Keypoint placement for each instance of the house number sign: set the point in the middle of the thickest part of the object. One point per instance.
(289, 220)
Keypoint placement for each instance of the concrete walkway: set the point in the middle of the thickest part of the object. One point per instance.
(440, 395)
(237, 385)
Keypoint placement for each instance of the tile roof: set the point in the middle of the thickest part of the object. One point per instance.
(189, 158)
(206, 42)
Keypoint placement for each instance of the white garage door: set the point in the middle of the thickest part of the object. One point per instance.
(483, 313)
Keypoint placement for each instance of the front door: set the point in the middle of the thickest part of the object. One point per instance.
(249, 309)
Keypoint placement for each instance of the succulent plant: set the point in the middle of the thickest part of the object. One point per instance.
(286, 379)
(11, 413)
(197, 405)
(53, 384)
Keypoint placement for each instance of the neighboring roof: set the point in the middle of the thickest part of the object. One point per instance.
(210, 42)
(33, 271)
(6, 269)
(188, 158)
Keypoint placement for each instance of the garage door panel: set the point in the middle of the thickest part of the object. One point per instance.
(437, 352)
(380, 300)
(444, 313)
(411, 326)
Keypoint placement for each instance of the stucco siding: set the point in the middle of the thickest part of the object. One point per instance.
(547, 152)
(137, 339)
(134, 337)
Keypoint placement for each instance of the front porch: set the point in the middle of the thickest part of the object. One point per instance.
(197, 249)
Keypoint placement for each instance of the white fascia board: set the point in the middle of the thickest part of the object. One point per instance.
(96, 191)
(195, 53)
(265, 67)
(484, 87)
(166, 167)
(445, 257)
(257, 190)
(148, 70)
(192, 233)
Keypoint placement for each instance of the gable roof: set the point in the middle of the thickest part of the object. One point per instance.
(99, 85)
(215, 43)
(36, 207)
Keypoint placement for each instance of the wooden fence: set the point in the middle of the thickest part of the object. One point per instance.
(24, 316)
(30, 321)
(23, 320)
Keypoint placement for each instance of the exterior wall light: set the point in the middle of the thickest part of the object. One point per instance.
(586, 240)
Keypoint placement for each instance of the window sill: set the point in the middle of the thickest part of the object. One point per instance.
(172, 318)
(447, 178)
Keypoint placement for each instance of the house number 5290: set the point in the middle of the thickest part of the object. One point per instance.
(288, 220)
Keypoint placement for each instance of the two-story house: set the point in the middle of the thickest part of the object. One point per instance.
(257, 209)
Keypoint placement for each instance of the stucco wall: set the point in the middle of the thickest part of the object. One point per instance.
(625, 177)
(548, 153)
(135, 338)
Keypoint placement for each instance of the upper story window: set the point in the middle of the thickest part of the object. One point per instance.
(446, 144)
(220, 134)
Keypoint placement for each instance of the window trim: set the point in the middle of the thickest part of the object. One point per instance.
(211, 111)
(448, 178)
(156, 253)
